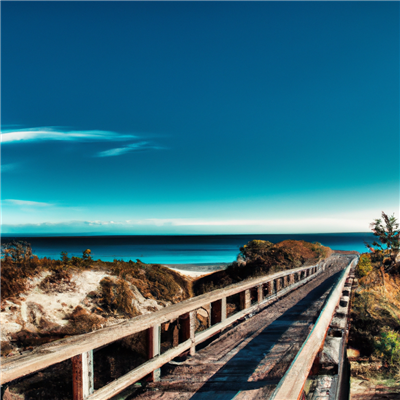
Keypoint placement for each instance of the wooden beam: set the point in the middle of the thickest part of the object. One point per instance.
(192, 330)
(154, 349)
(82, 376)
(223, 309)
(260, 293)
(245, 299)
(270, 288)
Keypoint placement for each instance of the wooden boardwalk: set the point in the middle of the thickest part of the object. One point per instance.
(248, 360)
(241, 356)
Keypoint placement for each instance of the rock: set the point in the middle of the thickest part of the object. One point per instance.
(64, 304)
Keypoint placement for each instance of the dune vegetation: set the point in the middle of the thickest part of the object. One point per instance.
(375, 317)
(259, 257)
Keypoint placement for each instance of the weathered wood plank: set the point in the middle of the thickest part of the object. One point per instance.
(245, 299)
(260, 293)
(292, 384)
(82, 375)
(154, 347)
(57, 351)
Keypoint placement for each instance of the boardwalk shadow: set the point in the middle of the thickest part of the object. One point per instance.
(234, 376)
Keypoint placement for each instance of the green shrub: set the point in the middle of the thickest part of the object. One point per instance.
(388, 344)
(364, 266)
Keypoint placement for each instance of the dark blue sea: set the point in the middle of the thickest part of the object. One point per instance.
(190, 249)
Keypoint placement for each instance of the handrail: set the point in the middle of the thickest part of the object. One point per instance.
(63, 349)
(292, 384)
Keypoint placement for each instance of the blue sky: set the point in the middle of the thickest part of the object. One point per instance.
(199, 117)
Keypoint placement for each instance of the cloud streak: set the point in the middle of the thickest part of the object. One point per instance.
(60, 134)
(140, 146)
(26, 203)
(9, 167)
(192, 226)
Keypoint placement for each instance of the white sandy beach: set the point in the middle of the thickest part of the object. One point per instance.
(196, 270)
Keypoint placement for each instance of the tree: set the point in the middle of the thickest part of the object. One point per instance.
(388, 233)
(64, 257)
(16, 250)
(86, 257)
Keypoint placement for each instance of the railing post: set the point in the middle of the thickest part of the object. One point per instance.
(82, 375)
(278, 284)
(188, 329)
(192, 318)
(154, 340)
(270, 288)
(223, 309)
(260, 293)
(207, 307)
(245, 299)
(291, 279)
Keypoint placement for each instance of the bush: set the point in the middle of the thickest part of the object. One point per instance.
(388, 344)
(364, 266)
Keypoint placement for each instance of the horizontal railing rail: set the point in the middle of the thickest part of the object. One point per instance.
(292, 384)
(80, 348)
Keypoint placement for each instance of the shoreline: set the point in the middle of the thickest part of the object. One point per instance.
(196, 270)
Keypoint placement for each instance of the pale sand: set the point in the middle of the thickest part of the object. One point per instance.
(196, 270)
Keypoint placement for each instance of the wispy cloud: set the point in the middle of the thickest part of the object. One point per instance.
(26, 203)
(9, 167)
(140, 146)
(192, 226)
(54, 133)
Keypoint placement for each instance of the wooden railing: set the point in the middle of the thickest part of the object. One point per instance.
(292, 384)
(80, 348)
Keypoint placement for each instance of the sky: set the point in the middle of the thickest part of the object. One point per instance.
(198, 117)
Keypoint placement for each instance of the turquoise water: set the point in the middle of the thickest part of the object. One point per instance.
(196, 249)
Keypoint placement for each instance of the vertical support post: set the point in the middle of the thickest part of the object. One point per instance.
(223, 309)
(260, 293)
(82, 375)
(270, 286)
(188, 329)
(207, 307)
(278, 284)
(291, 279)
(245, 299)
(154, 340)
(192, 318)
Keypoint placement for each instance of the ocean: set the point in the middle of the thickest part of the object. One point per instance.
(185, 249)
